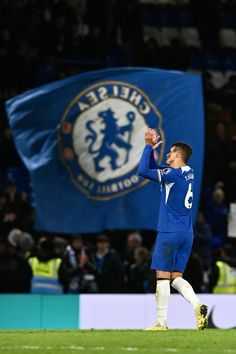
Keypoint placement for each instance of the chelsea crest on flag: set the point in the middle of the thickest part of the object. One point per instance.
(100, 134)
(81, 139)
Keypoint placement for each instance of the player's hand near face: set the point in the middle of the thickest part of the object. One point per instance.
(152, 138)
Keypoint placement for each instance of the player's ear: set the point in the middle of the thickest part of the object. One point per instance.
(177, 153)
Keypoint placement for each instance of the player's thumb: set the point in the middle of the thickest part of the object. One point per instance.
(156, 145)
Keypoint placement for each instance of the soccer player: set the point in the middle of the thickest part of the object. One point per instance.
(175, 233)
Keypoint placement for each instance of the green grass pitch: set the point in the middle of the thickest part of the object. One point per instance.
(209, 341)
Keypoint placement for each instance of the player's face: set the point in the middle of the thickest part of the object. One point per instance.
(170, 157)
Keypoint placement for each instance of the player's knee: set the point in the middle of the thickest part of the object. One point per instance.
(175, 275)
(162, 275)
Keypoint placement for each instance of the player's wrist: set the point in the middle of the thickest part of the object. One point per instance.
(149, 145)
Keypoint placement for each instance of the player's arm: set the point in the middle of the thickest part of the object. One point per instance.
(148, 167)
(152, 162)
(143, 169)
(168, 174)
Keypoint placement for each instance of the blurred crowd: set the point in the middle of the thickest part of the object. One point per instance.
(73, 265)
(55, 264)
(46, 40)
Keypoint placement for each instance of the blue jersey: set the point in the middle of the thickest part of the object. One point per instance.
(175, 214)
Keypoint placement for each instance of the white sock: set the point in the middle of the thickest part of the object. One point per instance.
(162, 300)
(186, 290)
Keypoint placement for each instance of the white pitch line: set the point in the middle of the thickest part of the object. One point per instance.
(36, 347)
(130, 349)
(80, 348)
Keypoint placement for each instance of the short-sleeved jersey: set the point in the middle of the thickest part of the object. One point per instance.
(175, 212)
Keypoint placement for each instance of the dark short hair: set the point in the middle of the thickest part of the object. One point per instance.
(102, 238)
(76, 237)
(185, 150)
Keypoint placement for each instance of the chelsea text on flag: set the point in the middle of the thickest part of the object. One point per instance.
(81, 139)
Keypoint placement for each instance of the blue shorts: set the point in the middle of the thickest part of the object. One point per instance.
(172, 251)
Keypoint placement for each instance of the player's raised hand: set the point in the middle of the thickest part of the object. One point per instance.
(151, 137)
(156, 141)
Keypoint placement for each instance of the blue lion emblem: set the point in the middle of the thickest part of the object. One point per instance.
(113, 135)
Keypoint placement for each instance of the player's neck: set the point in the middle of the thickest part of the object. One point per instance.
(177, 164)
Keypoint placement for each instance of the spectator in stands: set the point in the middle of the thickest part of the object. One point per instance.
(26, 244)
(141, 277)
(14, 237)
(216, 213)
(223, 275)
(202, 240)
(134, 240)
(217, 153)
(15, 210)
(60, 244)
(80, 267)
(21, 242)
(47, 271)
(11, 192)
(109, 267)
(15, 273)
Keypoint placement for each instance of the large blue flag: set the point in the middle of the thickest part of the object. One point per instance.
(81, 139)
